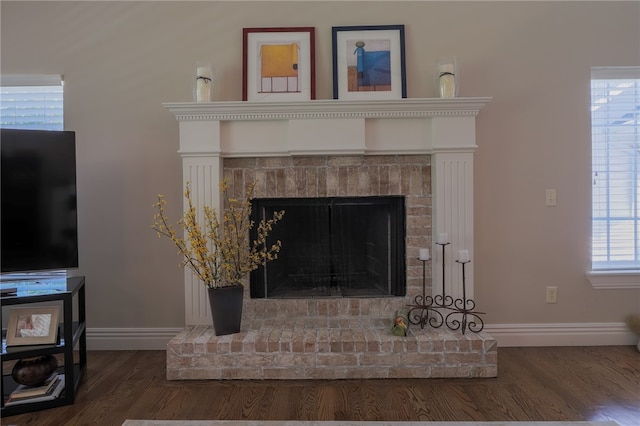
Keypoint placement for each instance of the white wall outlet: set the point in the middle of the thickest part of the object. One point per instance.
(550, 198)
(552, 294)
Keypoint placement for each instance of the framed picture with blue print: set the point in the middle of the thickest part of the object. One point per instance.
(369, 62)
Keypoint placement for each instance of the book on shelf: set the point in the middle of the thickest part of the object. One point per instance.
(24, 391)
(54, 393)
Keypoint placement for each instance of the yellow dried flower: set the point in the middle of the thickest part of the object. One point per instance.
(219, 251)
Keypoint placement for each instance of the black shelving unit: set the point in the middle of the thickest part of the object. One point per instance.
(72, 334)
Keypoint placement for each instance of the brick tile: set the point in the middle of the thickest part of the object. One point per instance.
(279, 373)
(297, 344)
(378, 359)
(243, 373)
(309, 341)
(399, 345)
(325, 373)
(359, 341)
(347, 341)
(491, 358)
(273, 341)
(376, 372)
(417, 359)
(293, 360)
(336, 359)
(411, 372)
(237, 342)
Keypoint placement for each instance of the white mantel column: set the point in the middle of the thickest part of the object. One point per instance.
(202, 168)
(452, 201)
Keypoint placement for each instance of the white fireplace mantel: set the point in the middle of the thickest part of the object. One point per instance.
(444, 128)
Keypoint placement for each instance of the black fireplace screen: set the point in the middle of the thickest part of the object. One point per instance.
(333, 247)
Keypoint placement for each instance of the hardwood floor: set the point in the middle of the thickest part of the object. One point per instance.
(540, 384)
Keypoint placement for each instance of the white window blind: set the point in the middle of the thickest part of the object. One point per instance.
(615, 126)
(32, 102)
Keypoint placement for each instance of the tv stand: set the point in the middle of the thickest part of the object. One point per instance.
(72, 338)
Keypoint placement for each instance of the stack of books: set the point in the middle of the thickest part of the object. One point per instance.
(50, 390)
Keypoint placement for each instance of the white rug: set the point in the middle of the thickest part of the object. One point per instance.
(346, 423)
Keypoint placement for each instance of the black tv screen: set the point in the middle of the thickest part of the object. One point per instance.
(38, 211)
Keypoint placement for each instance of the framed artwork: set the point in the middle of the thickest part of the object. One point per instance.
(33, 326)
(278, 64)
(369, 62)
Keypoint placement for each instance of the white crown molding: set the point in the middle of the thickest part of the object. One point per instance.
(328, 108)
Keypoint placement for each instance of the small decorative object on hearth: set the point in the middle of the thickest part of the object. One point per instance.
(448, 77)
(400, 323)
(204, 84)
(34, 371)
(219, 252)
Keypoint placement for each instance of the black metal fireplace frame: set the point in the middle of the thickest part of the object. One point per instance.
(262, 208)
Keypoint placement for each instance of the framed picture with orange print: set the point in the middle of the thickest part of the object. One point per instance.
(278, 64)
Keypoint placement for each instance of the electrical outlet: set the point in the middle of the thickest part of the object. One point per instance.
(552, 294)
(550, 198)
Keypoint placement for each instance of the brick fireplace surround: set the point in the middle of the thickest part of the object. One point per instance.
(419, 148)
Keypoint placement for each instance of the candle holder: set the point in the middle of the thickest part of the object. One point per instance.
(456, 314)
(421, 311)
(465, 309)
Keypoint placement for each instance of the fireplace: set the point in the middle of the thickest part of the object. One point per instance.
(421, 149)
(334, 247)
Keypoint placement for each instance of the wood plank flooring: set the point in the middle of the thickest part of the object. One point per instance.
(539, 384)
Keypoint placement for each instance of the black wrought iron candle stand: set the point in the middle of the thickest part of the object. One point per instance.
(439, 310)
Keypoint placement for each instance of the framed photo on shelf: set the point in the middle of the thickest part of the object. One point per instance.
(369, 62)
(33, 326)
(278, 64)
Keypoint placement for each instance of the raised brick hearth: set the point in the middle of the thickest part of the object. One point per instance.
(328, 339)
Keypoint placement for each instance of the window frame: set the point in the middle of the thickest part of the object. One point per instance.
(34, 80)
(612, 277)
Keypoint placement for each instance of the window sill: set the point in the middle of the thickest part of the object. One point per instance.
(614, 280)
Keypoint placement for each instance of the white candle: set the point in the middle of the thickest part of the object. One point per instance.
(204, 84)
(424, 254)
(463, 255)
(447, 81)
(442, 238)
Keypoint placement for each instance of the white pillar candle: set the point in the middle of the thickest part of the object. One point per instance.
(463, 255)
(204, 84)
(447, 80)
(424, 254)
(442, 238)
(447, 77)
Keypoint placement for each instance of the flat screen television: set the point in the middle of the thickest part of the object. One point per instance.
(38, 211)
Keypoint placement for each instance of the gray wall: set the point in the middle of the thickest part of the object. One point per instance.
(122, 60)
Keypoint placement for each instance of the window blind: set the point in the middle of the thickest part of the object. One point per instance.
(32, 102)
(615, 126)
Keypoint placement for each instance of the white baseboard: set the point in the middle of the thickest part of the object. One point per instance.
(125, 339)
(507, 335)
(563, 334)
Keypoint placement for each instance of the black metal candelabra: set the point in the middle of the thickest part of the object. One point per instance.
(439, 310)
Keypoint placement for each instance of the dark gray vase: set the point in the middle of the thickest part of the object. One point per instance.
(226, 308)
(34, 371)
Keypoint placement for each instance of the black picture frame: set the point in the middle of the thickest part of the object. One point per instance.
(373, 74)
